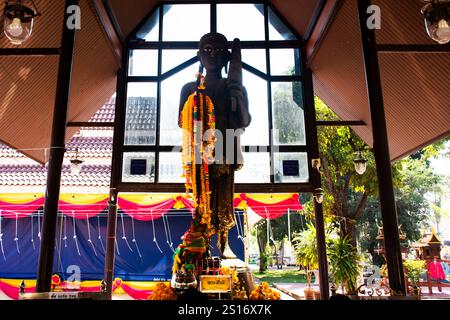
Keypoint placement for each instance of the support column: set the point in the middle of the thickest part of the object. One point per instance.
(47, 248)
(110, 242)
(311, 129)
(381, 152)
(116, 171)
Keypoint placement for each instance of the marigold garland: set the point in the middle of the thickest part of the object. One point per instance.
(264, 292)
(163, 292)
(197, 155)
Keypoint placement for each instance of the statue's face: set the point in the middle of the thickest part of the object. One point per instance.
(213, 54)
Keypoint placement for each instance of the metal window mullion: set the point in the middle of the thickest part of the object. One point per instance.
(275, 44)
(295, 78)
(142, 79)
(122, 102)
(310, 121)
(269, 92)
(213, 17)
(158, 95)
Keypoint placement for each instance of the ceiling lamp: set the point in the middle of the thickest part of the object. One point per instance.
(18, 20)
(437, 20)
(318, 195)
(360, 163)
(76, 164)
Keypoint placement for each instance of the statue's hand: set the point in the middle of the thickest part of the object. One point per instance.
(235, 90)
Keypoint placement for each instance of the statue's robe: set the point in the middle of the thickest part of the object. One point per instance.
(221, 175)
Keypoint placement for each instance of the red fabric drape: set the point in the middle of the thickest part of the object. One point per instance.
(23, 210)
(82, 211)
(189, 204)
(274, 210)
(145, 212)
(135, 293)
(13, 291)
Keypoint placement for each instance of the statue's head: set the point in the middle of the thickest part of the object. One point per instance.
(213, 52)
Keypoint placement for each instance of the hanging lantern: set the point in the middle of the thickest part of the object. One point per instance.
(18, 20)
(436, 14)
(76, 164)
(318, 195)
(360, 163)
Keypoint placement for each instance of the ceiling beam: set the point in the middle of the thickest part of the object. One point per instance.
(90, 124)
(29, 51)
(313, 22)
(324, 21)
(108, 27)
(341, 123)
(413, 48)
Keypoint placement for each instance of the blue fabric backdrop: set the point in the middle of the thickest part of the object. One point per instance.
(146, 256)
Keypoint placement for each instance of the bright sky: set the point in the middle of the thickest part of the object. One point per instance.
(248, 24)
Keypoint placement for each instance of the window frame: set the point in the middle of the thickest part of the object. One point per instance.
(133, 43)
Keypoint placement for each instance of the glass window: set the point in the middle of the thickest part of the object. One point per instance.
(284, 62)
(258, 131)
(243, 21)
(186, 22)
(256, 58)
(291, 167)
(173, 58)
(171, 133)
(288, 115)
(170, 167)
(140, 118)
(277, 29)
(150, 30)
(256, 168)
(138, 167)
(143, 63)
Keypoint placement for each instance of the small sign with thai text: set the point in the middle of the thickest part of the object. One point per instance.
(216, 284)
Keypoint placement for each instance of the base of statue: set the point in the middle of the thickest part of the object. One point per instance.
(233, 263)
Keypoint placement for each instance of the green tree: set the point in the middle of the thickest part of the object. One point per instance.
(349, 191)
(416, 178)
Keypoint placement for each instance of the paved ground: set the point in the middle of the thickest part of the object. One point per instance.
(295, 290)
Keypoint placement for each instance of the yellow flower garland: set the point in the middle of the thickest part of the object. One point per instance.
(194, 127)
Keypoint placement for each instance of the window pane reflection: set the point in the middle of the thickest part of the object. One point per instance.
(170, 167)
(284, 62)
(256, 168)
(258, 131)
(256, 58)
(143, 63)
(140, 118)
(186, 22)
(233, 21)
(173, 58)
(288, 115)
(138, 167)
(291, 167)
(170, 100)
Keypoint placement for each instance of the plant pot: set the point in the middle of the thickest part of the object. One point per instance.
(416, 291)
(316, 295)
(309, 293)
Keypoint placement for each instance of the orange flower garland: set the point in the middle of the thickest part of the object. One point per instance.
(197, 155)
(264, 292)
(163, 292)
(194, 127)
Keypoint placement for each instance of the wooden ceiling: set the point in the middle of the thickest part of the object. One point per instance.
(415, 85)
